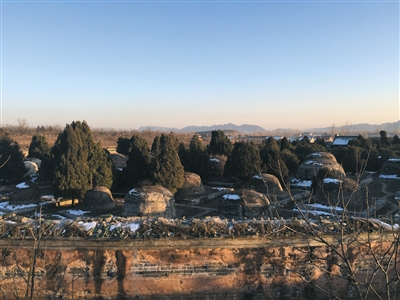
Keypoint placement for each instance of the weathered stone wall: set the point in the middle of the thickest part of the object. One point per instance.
(125, 269)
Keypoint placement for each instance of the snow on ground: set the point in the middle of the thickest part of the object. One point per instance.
(220, 189)
(311, 162)
(132, 226)
(22, 185)
(257, 177)
(88, 225)
(77, 212)
(299, 182)
(394, 159)
(389, 176)
(215, 159)
(332, 180)
(313, 212)
(231, 197)
(325, 207)
(7, 206)
(49, 198)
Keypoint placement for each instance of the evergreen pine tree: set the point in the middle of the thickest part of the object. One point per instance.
(220, 144)
(166, 166)
(39, 148)
(101, 166)
(137, 166)
(272, 161)
(71, 174)
(396, 140)
(79, 163)
(123, 145)
(244, 161)
(11, 159)
(198, 158)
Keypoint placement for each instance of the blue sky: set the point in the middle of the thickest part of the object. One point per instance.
(276, 64)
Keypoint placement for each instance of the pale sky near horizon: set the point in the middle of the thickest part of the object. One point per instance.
(126, 64)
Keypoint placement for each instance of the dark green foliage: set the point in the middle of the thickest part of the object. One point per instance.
(220, 144)
(155, 147)
(79, 163)
(199, 160)
(39, 148)
(320, 176)
(384, 139)
(349, 157)
(244, 161)
(12, 166)
(123, 145)
(137, 166)
(396, 140)
(304, 148)
(272, 162)
(183, 152)
(320, 141)
(100, 166)
(285, 144)
(71, 174)
(166, 167)
(291, 161)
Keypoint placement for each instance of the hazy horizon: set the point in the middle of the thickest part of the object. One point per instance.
(289, 64)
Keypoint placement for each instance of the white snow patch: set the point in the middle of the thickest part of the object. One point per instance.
(59, 216)
(311, 162)
(77, 212)
(22, 185)
(231, 197)
(48, 198)
(215, 159)
(394, 159)
(257, 177)
(332, 180)
(389, 176)
(88, 225)
(313, 212)
(132, 226)
(8, 206)
(303, 183)
(321, 206)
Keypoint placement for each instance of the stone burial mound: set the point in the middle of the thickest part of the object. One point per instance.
(98, 199)
(266, 183)
(315, 161)
(343, 193)
(192, 187)
(391, 166)
(150, 201)
(244, 204)
(25, 193)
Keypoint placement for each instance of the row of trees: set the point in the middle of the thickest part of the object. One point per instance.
(76, 162)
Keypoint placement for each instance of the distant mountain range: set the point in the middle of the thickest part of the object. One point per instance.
(249, 129)
(393, 127)
(245, 128)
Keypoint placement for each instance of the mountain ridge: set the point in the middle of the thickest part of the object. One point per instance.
(390, 127)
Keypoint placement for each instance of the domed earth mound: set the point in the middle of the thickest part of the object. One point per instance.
(266, 183)
(98, 199)
(25, 193)
(192, 185)
(150, 201)
(315, 161)
(244, 204)
(342, 193)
